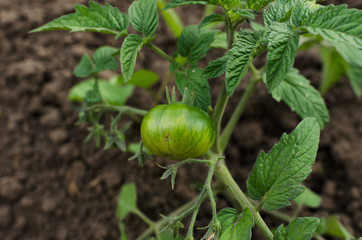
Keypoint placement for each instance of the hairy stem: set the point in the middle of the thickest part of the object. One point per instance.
(160, 52)
(122, 109)
(224, 176)
(230, 126)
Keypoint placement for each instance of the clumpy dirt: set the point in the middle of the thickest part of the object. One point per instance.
(55, 186)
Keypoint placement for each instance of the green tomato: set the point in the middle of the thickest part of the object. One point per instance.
(177, 131)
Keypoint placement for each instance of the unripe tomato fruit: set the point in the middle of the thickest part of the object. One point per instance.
(177, 131)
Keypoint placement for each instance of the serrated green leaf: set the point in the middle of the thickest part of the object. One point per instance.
(84, 67)
(194, 43)
(337, 24)
(215, 67)
(211, 19)
(309, 198)
(172, 19)
(143, 16)
(104, 58)
(240, 57)
(127, 200)
(235, 226)
(197, 84)
(110, 94)
(178, 3)
(301, 12)
(279, 11)
(96, 18)
(276, 176)
(350, 54)
(282, 49)
(141, 78)
(296, 91)
(332, 68)
(130, 47)
(298, 229)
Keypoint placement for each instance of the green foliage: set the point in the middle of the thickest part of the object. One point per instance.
(194, 81)
(130, 47)
(143, 16)
(276, 176)
(257, 4)
(337, 24)
(103, 59)
(127, 200)
(211, 19)
(332, 68)
(235, 226)
(296, 91)
(172, 19)
(178, 3)
(194, 43)
(215, 68)
(110, 94)
(240, 57)
(96, 18)
(332, 226)
(282, 49)
(298, 229)
(301, 11)
(278, 12)
(142, 78)
(309, 198)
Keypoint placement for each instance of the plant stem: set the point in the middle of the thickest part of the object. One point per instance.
(144, 218)
(223, 96)
(160, 91)
(123, 109)
(162, 222)
(160, 52)
(230, 126)
(224, 176)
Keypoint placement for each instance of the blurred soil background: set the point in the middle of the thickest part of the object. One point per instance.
(53, 185)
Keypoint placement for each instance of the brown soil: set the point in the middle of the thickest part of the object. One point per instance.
(55, 186)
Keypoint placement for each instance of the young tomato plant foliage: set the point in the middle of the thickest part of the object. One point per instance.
(192, 131)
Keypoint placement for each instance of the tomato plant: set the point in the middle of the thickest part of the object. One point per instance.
(185, 132)
(177, 131)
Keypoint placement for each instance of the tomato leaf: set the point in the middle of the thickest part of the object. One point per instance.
(194, 43)
(309, 198)
(127, 200)
(337, 24)
(141, 78)
(257, 4)
(282, 49)
(104, 58)
(298, 229)
(296, 91)
(215, 68)
(130, 47)
(332, 68)
(178, 3)
(197, 84)
(235, 226)
(110, 94)
(96, 18)
(276, 176)
(172, 19)
(278, 12)
(332, 226)
(240, 57)
(301, 12)
(85, 67)
(354, 73)
(143, 16)
(211, 19)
